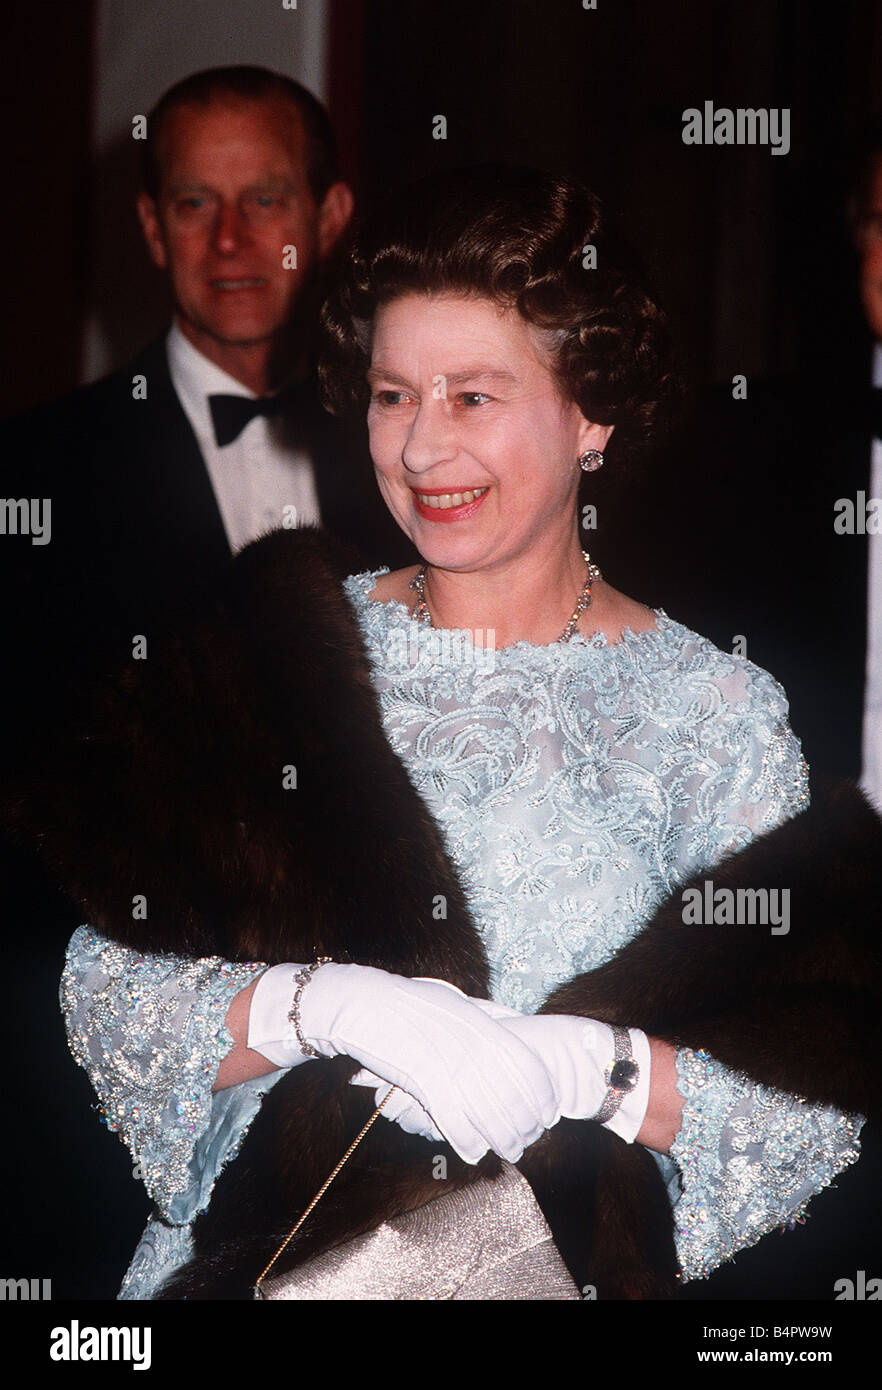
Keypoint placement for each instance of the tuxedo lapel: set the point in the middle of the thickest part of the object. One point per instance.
(177, 511)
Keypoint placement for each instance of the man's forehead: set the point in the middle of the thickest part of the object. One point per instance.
(256, 122)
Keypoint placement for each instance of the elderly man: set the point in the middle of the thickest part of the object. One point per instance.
(210, 436)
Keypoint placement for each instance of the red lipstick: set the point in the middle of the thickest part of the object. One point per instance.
(446, 513)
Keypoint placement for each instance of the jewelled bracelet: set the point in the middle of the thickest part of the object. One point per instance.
(301, 980)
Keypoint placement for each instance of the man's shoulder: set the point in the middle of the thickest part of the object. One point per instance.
(84, 402)
(93, 418)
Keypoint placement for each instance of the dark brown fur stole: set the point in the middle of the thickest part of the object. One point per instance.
(174, 789)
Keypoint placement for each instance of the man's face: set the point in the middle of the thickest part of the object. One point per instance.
(234, 199)
(870, 249)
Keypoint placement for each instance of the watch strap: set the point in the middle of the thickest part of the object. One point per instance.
(621, 1076)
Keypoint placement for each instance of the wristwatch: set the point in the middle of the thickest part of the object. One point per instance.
(621, 1076)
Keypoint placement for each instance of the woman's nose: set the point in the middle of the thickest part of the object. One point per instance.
(432, 436)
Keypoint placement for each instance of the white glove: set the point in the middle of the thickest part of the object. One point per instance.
(576, 1051)
(402, 1109)
(484, 1087)
(270, 1031)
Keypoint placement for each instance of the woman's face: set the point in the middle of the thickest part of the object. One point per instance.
(463, 401)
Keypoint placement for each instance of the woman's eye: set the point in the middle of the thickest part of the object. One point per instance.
(470, 399)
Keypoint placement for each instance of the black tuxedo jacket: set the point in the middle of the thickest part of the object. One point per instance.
(136, 528)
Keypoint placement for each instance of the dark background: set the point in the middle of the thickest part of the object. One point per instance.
(747, 249)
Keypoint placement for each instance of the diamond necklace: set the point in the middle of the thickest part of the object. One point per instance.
(422, 614)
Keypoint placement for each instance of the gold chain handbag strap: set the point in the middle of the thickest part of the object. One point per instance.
(321, 1192)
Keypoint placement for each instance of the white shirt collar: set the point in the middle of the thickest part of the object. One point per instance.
(877, 365)
(195, 378)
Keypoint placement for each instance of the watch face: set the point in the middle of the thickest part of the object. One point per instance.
(623, 1075)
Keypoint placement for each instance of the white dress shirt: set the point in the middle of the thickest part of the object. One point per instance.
(260, 481)
(871, 780)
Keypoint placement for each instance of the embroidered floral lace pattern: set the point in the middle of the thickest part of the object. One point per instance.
(749, 1158)
(150, 1032)
(575, 785)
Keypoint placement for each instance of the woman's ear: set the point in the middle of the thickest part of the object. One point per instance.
(593, 436)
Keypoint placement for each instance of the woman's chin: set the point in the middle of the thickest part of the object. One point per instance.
(446, 551)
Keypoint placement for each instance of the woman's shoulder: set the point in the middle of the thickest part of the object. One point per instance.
(658, 657)
(394, 585)
(742, 684)
(382, 585)
(381, 601)
(618, 616)
(731, 713)
(740, 714)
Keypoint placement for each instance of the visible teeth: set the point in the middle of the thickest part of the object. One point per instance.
(450, 499)
(236, 284)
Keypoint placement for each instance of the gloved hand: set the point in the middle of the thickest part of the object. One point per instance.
(402, 1109)
(483, 1086)
(577, 1052)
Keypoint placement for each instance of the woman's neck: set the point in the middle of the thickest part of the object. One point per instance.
(531, 599)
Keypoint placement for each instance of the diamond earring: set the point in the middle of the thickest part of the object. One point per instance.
(591, 460)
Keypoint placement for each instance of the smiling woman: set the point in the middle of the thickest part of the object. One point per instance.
(480, 859)
(496, 355)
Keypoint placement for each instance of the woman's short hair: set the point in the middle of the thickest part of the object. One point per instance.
(537, 241)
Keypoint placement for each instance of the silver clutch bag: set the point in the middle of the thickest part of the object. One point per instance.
(486, 1241)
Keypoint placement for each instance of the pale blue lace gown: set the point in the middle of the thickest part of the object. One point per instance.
(575, 785)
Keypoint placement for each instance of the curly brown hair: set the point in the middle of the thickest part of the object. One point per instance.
(519, 237)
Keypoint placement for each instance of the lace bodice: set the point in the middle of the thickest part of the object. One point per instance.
(576, 784)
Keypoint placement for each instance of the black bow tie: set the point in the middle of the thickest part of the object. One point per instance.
(230, 414)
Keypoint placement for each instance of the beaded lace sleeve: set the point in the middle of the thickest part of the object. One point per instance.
(750, 1158)
(150, 1032)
